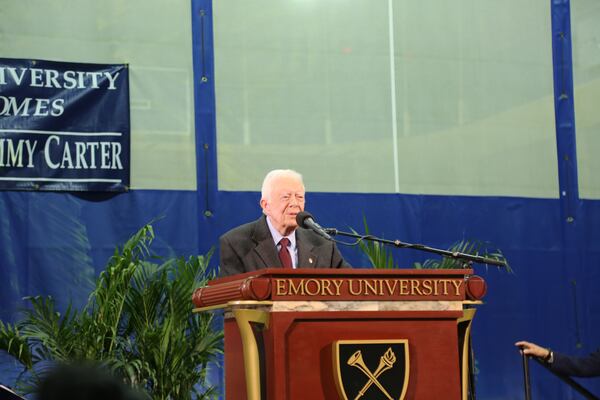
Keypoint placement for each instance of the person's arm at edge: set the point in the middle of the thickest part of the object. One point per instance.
(587, 366)
(561, 363)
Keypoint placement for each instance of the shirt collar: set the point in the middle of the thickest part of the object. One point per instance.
(278, 236)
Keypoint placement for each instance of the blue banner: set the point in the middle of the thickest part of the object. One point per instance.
(64, 126)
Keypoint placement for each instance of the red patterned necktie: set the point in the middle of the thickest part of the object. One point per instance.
(284, 254)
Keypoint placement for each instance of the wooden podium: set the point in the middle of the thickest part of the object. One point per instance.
(345, 333)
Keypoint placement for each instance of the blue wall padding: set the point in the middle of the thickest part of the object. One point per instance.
(53, 243)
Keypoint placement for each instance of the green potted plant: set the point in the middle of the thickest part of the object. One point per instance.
(380, 256)
(138, 323)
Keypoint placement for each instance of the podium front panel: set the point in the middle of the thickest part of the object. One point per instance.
(297, 353)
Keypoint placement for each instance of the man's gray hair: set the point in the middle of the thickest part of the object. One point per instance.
(267, 185)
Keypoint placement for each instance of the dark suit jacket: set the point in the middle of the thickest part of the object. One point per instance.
(577, 366)
(250, 247)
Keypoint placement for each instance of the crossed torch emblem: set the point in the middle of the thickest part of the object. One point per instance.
(386, 361)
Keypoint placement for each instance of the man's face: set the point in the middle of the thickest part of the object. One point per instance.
(285, 201)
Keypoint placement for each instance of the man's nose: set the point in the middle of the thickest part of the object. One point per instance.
(294, 202)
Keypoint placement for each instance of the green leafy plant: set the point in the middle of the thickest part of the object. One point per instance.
(381, 257)
(138, 323)
(472, 247)
(378, 254)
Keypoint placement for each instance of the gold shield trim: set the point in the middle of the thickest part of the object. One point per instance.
(386, 361)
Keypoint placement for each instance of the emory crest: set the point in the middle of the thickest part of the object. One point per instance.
(371, 369)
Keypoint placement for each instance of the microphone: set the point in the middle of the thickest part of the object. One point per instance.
(305, 220)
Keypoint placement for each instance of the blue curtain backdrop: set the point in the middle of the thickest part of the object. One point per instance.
(56, 243)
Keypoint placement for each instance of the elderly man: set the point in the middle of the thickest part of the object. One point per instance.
(275, 240)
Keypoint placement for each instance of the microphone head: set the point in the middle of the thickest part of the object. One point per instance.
(301, 217)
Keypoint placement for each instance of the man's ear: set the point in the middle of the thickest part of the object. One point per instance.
(263, 204)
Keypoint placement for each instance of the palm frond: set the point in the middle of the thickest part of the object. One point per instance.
(380, 257)
(138, 322)
(378, 254)
(472, 247)
(15, 344)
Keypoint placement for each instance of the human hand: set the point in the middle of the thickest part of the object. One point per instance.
(532, 349)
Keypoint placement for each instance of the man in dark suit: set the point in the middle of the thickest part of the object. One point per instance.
(275, 240)
(587, 366)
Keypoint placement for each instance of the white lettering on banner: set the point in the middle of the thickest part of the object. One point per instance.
(36, 77)
(13, 72)
(51, 78)
(93, 146)
(63, 124)
(11, 155)
(10, 106)
(111, 80)
(70, 80)
(47, 151)
(84, 154)
(30, 150)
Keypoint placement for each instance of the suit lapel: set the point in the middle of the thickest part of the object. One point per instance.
(265, 247)
(307, 258)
